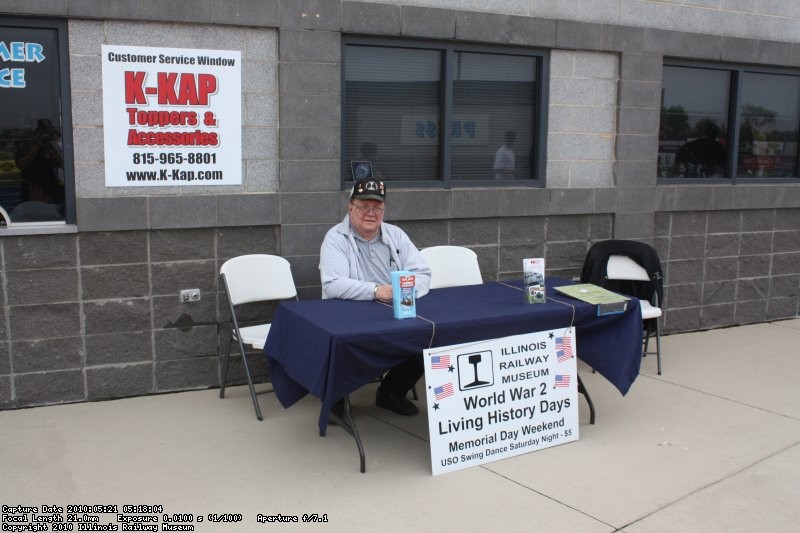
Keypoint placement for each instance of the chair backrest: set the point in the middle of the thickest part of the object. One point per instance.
(642, 254)
(452, 266)
(623, 267)
(258, 277)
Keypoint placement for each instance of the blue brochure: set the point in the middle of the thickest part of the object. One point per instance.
(404, 294)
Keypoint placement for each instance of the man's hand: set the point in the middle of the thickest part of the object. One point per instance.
(384, 293)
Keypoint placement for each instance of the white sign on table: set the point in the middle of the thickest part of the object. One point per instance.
(499, 398)
(172, 116)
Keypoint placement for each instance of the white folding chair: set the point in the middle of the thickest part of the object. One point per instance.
(452, 266)
(248, 279)
(622, 267)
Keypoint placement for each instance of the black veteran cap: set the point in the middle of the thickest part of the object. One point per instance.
(369, 189)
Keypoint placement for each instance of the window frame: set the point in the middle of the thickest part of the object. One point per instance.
(737, 71)
(448, 49)
(61, 28)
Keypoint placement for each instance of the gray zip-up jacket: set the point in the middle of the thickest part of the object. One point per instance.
(342, 274)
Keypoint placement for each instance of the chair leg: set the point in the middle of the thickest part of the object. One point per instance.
(658, 345)
(225, 364)
(250, 381)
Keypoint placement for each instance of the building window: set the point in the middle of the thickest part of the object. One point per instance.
(768, 119)
(398, 95)
(36, 182)
(729, 124)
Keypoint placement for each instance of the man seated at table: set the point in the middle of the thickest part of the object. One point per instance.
(356, 261)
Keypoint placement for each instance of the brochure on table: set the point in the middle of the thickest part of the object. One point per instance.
(498, 398)
(607, 302)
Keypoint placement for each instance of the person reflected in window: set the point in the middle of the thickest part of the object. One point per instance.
(357, 258)
(41, 162)
(504, 160)
(41, 205)
(703, 157)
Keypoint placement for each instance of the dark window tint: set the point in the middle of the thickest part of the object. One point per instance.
(426, 112)
(694, 121)
(768, 120)
(729, 123)
(493, 116)
(393, 112)
(34, 175)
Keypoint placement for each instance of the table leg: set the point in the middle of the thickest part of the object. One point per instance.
(582, 390)
(349, 425)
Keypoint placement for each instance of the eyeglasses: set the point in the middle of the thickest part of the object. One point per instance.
(364, 209)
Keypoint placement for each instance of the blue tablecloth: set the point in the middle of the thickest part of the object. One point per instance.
(330, 348)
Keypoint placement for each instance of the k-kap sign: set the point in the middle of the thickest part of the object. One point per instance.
(502, 397)
(172, 116)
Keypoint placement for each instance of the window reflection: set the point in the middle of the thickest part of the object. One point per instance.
(397, 99)
(493, 116)
(768, 123)
(32, 178)
(697, 116)
(693, 141)
(40, 160)
(392, 110)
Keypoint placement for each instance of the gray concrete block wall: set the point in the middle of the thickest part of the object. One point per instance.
(729, 267)
(502, 243)
(115, 327)
(755, 20)
(96, 315)
(582, 119)
(310, 135)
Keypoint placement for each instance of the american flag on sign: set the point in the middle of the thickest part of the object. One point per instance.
(440, 361)
(443, 391)
(562, 380)
(563, 348)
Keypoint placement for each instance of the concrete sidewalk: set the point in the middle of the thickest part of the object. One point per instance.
(711, 445)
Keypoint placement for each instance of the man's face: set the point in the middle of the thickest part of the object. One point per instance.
(366, 217)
